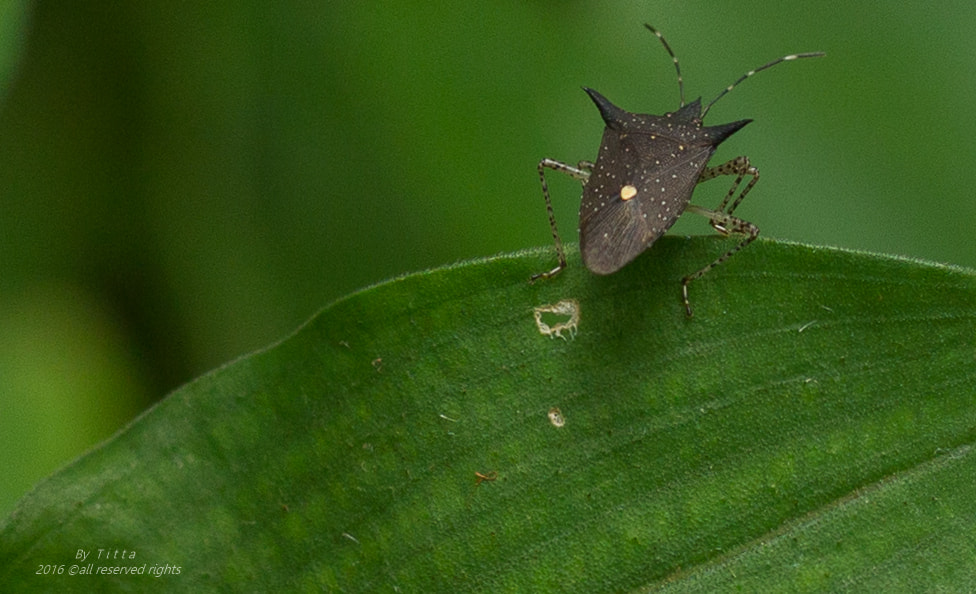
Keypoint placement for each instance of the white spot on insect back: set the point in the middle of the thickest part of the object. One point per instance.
(627, 192)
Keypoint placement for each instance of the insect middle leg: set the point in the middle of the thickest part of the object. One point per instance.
(721, 219)
(582, 173)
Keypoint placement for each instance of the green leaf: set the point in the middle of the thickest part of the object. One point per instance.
(810, 428)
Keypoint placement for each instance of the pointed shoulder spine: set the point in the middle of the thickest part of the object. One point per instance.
(613, 116)
(717, 134)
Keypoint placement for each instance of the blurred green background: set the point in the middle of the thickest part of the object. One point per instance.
(183, 183)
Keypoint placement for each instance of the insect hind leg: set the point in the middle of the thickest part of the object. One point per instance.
(582, 173)
(722, 219)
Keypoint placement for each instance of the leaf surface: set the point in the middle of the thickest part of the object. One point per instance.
(810, 428)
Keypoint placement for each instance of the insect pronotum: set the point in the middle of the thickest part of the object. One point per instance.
(644, 176)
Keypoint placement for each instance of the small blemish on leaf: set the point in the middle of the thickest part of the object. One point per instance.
(488, 476)
(566, 307)
(556, 417)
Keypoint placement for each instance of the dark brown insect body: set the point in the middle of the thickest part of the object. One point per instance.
(643, 179)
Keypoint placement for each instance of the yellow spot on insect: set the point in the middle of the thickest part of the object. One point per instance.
(556, 417)
(627, 192)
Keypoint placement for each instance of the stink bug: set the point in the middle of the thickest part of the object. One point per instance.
(643, 178)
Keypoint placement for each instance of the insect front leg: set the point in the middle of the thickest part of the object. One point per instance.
(582, 173)
(722, 219)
